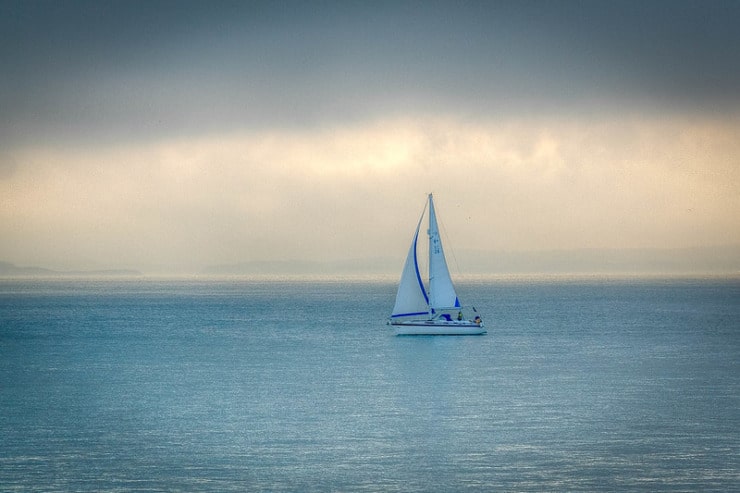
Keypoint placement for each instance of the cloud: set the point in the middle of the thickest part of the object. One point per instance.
(114, 73)
(356, 192)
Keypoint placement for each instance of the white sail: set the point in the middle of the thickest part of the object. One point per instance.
(441, 290)
(411, 298)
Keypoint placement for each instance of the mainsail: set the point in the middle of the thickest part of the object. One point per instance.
(441, 291)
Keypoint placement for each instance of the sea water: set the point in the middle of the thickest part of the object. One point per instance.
(298, 385)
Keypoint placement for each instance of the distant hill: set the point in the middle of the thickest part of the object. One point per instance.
(702, 260)
(11, 270)
(721, 260)
(8, 269)
(305, 267)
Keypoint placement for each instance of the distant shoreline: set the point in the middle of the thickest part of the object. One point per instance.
(717, 261)
(462, 280)
(8, 269)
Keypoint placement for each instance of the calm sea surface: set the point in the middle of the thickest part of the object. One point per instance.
(244, 385)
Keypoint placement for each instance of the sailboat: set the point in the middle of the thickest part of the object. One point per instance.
(435, 310)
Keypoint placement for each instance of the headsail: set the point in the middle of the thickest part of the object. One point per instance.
(411, 298)
(441, 290)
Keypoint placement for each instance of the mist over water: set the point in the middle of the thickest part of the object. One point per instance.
(298, 385)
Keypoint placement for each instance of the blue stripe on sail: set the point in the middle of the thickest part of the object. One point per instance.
(416, 266)
(409, 314)
(457, 302)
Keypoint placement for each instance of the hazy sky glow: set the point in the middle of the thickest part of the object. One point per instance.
(168, 136)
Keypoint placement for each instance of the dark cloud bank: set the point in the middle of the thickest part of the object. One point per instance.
(112, 71)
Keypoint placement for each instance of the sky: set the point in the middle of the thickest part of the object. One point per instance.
(168, 136)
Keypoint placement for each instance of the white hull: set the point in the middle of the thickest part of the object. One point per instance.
(438, 328)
